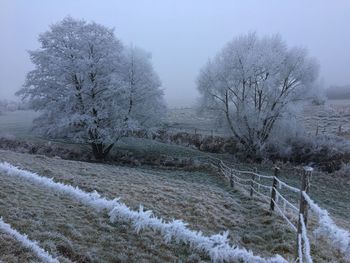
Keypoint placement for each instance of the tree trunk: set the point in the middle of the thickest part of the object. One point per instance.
(99, 151)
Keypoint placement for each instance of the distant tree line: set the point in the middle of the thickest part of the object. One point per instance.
(8, 106)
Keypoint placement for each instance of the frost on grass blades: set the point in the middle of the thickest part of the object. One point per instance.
(23, 239)
(340, 238)
(216, 246)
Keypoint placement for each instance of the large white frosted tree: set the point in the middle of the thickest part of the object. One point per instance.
(80, 87)
(251, 84)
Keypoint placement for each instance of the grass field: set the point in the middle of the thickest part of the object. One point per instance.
(75, 233)
(330, 192)
(327, 118)
(17, 123)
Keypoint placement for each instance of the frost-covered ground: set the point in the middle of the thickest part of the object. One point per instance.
(327, 117)
(330, 191)
(188, 120)
(12, 251)
(76, 233)
(17, 123)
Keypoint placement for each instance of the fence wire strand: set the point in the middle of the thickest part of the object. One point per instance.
(340, 238)
(284, 216)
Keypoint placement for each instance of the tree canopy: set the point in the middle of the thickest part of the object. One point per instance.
(89, 88)
(251, 83)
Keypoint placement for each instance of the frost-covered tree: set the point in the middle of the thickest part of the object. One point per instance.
(79, 86)
(144, 96)
(251, 84)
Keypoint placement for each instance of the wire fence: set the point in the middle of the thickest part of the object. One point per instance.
(252, 182)
(27, 243)
(216, 246)
(269, 189)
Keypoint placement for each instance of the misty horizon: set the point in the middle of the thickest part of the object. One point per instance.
(181, 36)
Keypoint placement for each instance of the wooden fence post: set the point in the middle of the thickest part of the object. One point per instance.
(252, 183)
(274, 187)
(303, 206)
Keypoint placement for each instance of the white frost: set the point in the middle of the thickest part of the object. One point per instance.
(307, 250)
(216, 246)
(340, 238)
(23, 239)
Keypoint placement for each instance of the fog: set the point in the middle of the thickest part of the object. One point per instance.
(181, 35)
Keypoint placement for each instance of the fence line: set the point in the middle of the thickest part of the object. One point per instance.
(26, 242)
(307, 251)
(340, 238)
(229, 172)
(216, 246)
(285, 201)
(300, 249)
(262, 185)
(283, 184)
(267, 198)
(285, 217)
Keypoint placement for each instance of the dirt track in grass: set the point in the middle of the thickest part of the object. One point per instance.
(74, 232)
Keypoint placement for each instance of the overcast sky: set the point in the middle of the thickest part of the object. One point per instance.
(181, 34)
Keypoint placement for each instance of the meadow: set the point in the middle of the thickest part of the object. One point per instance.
(73, 233)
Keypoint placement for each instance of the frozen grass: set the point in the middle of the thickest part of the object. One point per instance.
(76, 233)
(26, 242)
(142, 147)
(13, 251)
(17, 123)
(201, 199)
(172, 195)
(327, 117)
(330, 191)
(68, 229)
(187, 119)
